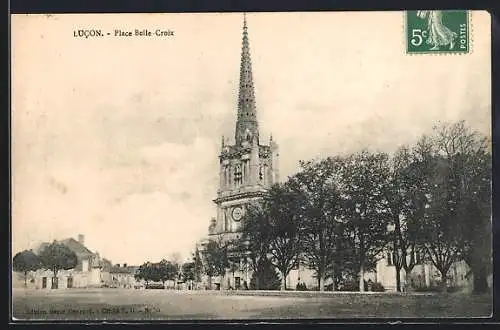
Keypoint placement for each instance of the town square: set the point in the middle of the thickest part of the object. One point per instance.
(253, 175)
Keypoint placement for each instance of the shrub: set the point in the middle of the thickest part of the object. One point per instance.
(352, 286)
(377, 287)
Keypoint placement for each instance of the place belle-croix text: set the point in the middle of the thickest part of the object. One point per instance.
(98, 33)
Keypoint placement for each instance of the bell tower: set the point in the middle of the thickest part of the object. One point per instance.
(247, 167)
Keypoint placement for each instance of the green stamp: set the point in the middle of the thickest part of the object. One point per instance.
(437, 31)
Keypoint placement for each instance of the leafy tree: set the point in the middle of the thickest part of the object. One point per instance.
(363, 182)
(166, 270)
(254, 243)
(144, 272)
(266, 278)
(25, 262)
(58, 257)
(188, 271)
(405, 193)
(270, 232)
(216, 259)
(285, 243)
(318, 208)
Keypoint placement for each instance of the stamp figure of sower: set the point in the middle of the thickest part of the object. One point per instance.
(439, 34)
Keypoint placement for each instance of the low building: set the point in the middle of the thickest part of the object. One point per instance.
(122, 276)
(87, 272)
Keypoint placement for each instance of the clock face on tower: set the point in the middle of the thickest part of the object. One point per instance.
(237, 213)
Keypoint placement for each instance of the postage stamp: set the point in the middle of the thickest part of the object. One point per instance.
(437, 31)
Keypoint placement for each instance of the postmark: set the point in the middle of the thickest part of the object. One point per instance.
(437, 31)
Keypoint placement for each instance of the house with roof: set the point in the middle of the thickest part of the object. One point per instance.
(87, 272)
(122, 276)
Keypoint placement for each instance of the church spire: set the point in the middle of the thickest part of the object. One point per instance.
(247, 127)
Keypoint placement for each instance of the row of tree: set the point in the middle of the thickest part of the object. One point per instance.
(339, 215)
(166, 270)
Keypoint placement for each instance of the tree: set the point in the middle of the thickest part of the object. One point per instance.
(166, 271)
(317, 206)
(405, 194)
(25, 262)
(144, 272)
(468, 159)
(216, 259)
(188, 271)
(270, 232)
(280, 208)
(363, 182)
(254, 242)
(58, 257)
(439, 232)
(266, 277)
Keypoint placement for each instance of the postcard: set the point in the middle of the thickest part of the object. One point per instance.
(251, 166)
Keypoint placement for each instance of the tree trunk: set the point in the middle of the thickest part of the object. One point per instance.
(55, 282)
(443, 283)
(209, 282)
(25, 279)
(480, 283)
(283, 281)
(362, 278)
(408, 287)
(321, 280)
(398, 279)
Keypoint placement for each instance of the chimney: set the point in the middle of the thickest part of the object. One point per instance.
(81, 239)
(124, 265)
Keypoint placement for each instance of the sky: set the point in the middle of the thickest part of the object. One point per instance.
(118, 138)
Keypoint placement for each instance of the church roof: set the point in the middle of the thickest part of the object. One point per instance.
(247, 126)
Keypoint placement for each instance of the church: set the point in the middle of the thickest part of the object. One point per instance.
(248, 168)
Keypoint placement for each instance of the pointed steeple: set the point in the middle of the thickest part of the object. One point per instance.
(247, 127)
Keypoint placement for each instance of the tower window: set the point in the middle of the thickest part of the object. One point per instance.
(237, 175)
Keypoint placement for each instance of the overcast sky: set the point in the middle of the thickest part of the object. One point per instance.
(118, 138)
